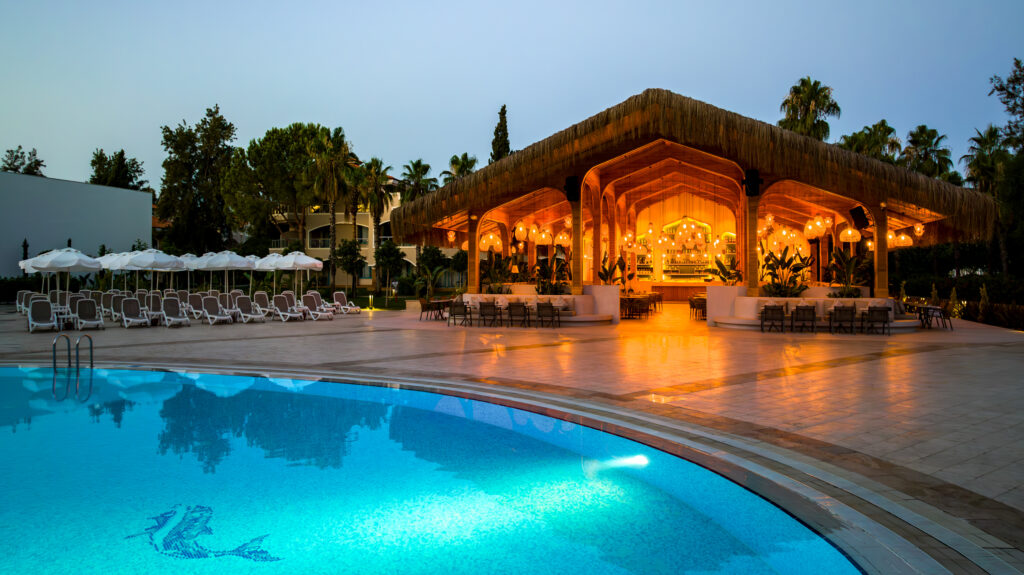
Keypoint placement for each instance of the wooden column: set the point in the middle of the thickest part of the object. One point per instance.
(751, 201)
(473, 235)
(881, 251)
(577, 247)
(823, 256)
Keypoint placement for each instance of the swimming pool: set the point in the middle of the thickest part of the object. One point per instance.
(163, 472)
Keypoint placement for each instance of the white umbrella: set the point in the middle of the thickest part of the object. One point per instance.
(200, 262)
(299, 261)
(255, 260)
(227, 261)
(153, 260)
(188, 260)
(268, 264)
(66, 260)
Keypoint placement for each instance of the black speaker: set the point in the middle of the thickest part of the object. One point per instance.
(859, 217)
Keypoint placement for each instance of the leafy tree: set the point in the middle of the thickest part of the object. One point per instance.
(499, 145)
(431, 258)
(198, 157)
(1011, 93)
(351, 260)
(266, 181)
(806, 107)
(460, 264)
(116, 170)
(877, 141)
(388, 260)
(984, 162)
(333, 160)
(416, 180)
(19, 162)
(925, 152)
(459, 166)
(378, 196)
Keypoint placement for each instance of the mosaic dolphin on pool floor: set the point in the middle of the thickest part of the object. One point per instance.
(175, 534)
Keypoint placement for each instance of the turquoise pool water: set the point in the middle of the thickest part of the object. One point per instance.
(155, 472)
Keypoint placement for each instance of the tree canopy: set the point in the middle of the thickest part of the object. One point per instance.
(116, 170)
(1011, 93)
(416, 180)
(926, 153)
(877, 141)
(459, 166)
(499, 145)
(351, 259)
(19, 162)
(806, 108)
(198, 157)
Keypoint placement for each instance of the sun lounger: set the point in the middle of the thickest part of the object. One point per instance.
(132, 314)
(262, 304)
(248, 311)
(155, 309)
(309, 302)
(195, 306)
(174, 313)
(319, 304)
(40, 315)
(213, 312)
(20, 301)
(343, 304)
(282, 310)
(115, 307)
(88, 315)
(227, 306)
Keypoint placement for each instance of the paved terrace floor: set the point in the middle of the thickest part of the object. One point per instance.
(931, 421)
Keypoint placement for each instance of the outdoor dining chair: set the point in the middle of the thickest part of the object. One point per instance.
(842, 319)
(547, 315)
(518, 314)
(489, 314)
(803, 317)
(460, 311)
(876, 319)
(773, 317)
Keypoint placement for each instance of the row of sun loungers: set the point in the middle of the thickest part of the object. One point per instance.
(86, 309)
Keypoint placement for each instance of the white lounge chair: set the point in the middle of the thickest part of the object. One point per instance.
(262, 304)
(115, 307)
(309, 302)
(41, 316)
(155, 309)
(248, 311)
(227, 306)
(195, 306)
(343, 304)
(213, 312)
(88, 315)
(132, 314)
(281, 308)
(173, 313)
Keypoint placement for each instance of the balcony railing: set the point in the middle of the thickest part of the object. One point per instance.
(279, 244)
(320, 243)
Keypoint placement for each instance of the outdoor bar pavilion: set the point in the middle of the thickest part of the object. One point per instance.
(671, 183)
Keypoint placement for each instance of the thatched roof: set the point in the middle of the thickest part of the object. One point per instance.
(659, 114)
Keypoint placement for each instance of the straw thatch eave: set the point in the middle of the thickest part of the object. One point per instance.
(659, 114)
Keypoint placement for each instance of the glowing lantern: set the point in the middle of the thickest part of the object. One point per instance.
(903, 241)
(533, 233)
(871, 246)
(568, 221)
(918, 230)
(849, 236)
(521, 231)
(769, 219)
(451, 236)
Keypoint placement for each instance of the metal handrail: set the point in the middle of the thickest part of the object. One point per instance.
(67, 387)
(78, 369)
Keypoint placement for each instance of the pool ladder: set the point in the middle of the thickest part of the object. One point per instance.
(78, 367)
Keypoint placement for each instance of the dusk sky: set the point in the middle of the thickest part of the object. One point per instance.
(411, 80)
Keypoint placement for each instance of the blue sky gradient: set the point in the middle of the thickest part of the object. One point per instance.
(411, 80)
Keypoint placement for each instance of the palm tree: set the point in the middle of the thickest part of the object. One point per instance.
(416, 181)
(983, 162)
(356, 197)
(877, 141)
(459, 166)
(806, 107)
(332, 160)
(379, 193)
(925, 153)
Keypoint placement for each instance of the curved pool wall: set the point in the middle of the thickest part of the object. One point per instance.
(359, 478)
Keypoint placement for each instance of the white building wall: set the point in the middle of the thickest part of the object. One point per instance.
(48, 211)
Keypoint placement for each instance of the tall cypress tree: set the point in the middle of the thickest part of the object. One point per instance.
(499, 145)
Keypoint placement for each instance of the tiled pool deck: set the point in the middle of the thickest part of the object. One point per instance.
(923, 433)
